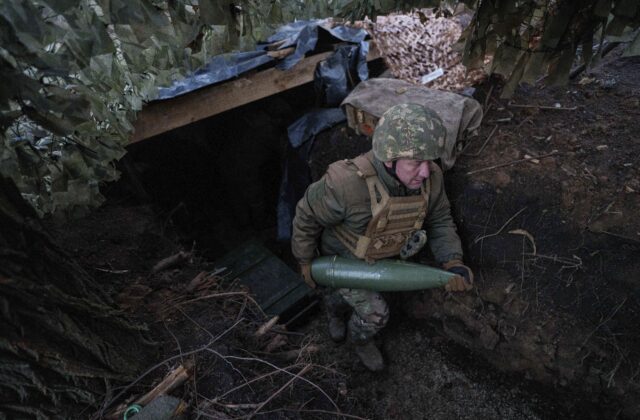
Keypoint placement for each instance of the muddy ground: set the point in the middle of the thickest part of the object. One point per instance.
(550, 330)
(557, 242)
(429, 375)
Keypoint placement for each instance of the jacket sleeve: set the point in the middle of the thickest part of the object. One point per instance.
(442, 234)
(322, 206)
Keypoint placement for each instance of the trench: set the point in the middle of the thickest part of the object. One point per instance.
(513, 356)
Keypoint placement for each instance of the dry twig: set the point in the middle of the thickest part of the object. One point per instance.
(613, 313)
(196, 282)
(575, 262)
(247, 383)
(554, 152)
(224, 294)
(174, 379)
(171, 261)
(282, 388)
(554, 108)
(295, 354)
(266, 327)
(526, 235)
(604, 232)
(483, 144)
(614, 371)
(255, 359)
(107, 404)
(501, 229)
(104, 270)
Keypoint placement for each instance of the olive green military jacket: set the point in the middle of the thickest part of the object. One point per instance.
(341, 196)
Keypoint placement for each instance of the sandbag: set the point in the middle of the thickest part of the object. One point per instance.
(461, 115)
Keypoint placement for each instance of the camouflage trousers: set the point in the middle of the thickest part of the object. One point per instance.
(369, 311)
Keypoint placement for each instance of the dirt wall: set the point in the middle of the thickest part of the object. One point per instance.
(554, 241)
(545, 200)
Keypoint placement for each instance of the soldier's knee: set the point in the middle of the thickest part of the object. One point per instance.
(379, 319)
(376, 315)
(362, 328)
(370, 307)
(377, 312)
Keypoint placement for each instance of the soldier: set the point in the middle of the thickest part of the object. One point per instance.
(373, 207)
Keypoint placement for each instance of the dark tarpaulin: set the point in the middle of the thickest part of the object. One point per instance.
(333, 80)
(221, 67)
(333, 76)
(296, 175)
(302, 34)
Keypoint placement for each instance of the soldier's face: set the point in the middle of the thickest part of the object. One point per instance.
(411, 172)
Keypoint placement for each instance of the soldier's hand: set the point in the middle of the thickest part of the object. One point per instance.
(305, 271)
(463, 279)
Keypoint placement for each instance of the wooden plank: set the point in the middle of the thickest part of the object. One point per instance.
(159, 117)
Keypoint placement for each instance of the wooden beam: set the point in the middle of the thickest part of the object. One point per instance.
(162, 116)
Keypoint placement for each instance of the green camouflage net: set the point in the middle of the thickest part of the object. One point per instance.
(528, 40)
(74, 73)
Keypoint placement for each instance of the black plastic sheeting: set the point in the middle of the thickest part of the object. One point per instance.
(301, 34)
(333, 76)
(304, 35)
(221, 67)
(296, 175)
(333, 80)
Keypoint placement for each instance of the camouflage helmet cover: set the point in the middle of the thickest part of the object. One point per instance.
(409, 131)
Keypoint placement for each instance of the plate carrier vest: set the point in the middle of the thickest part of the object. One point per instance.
(393, 219)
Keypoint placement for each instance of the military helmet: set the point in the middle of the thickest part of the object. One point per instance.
(409, 131)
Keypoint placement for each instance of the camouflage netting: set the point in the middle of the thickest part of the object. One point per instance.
(534, 40)
(417, 44)
(76, 73)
